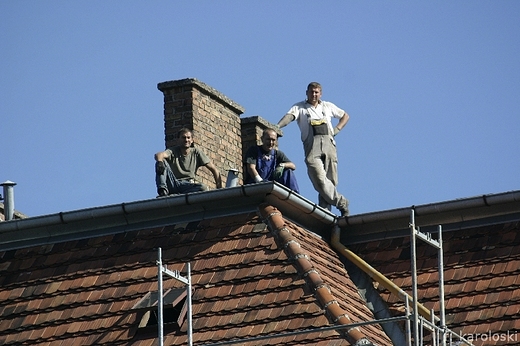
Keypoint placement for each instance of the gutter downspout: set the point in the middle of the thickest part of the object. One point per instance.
(373, 273)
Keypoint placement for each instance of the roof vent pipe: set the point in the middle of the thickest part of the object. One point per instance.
(8, 199)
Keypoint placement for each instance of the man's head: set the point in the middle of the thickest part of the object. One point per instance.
(313, 93)
(185, 137)
(269, 138)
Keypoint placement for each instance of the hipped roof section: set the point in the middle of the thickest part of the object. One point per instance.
(105, 257)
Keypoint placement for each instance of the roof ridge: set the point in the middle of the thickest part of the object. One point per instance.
(273, 218)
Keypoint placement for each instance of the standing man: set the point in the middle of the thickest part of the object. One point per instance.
(264, 162)
(314, 118)
(176, 167)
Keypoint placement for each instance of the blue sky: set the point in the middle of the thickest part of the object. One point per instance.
(432, 89)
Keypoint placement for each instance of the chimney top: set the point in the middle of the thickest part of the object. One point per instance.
(204, 88)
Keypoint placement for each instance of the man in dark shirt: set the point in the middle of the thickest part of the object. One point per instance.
(264, 162)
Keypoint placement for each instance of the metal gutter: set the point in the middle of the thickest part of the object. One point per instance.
(86, 223)
(452, 215)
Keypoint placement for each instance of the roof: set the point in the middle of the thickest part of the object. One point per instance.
(481, 251)
(84, 285)
(85, 277)
(481, 277)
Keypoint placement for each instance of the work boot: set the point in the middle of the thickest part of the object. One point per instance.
(162, 192)
(344, 209)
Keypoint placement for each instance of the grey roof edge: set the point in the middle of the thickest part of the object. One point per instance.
(111, 219)
(204, 87)
(451, 215)
(86, 223)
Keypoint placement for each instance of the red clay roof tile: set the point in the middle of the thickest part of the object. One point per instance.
(84, 290)
(482, 283)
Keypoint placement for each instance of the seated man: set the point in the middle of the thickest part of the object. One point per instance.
(176, 167)
(263, 162)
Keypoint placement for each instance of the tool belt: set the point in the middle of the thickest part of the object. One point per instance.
(189, 180)
(320, 127)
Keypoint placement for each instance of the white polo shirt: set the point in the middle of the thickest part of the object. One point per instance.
(304, 113)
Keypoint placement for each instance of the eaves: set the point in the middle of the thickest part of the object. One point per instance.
(452, 215)
(157, 212)
(80, 224)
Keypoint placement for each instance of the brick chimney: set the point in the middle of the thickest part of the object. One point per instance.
(215, 120)
(252, 128)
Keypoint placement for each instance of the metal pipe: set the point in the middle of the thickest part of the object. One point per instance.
(408, 325)
(190, 326)
(414, 278)
(307, 331)
(160, 298)
(435, 331)
(441, 289)
(8, 199)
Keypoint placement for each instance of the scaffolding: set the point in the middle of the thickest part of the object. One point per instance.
(414, 320)
(440, 333)
(186, 281)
